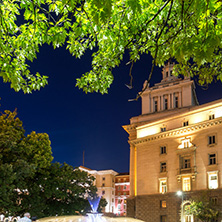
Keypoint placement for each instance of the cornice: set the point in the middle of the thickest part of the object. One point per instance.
(178, 131)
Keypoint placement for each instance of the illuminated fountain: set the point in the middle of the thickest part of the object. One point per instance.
(93, 216)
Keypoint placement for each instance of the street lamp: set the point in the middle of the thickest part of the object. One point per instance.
(180, 193)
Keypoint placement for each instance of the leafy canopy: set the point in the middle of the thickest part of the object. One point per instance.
(189, 31)
(31, 182)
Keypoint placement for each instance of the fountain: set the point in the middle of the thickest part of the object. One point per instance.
(93, 216)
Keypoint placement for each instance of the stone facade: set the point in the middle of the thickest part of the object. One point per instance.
(175, 145)
(122, 188)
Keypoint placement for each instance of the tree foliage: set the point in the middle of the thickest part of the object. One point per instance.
(203, 210)
(30, 182)
(189, 31)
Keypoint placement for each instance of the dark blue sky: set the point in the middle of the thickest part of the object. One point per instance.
(76, 121)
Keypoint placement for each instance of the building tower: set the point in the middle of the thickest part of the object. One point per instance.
(174, 146)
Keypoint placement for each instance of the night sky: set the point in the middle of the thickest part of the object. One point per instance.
(78, 122)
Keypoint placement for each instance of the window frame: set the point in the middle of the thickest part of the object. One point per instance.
(162, 205)
(214, 159)
(211, 174)
(163, 167)
(185, 186)
(163, 148)
(162, 188)
(211, 140)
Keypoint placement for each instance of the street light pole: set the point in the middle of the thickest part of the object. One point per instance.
(180, 193)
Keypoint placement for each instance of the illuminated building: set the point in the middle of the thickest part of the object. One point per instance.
(105, 183)
(175, 145)
(122, 188)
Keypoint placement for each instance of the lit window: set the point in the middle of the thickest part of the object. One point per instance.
(186, 163)
(211, 116)
(163, 218)
(119, 206)
(211, 140)
(163, 167)
(212, 180)
(212, 159)
(163, 185)
(162, 149)
(163, 203)
(185, 123)
(186, 184)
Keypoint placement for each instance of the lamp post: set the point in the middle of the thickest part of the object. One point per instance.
(180, 193)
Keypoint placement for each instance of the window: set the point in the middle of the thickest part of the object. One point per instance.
(119, 206)
(119, 201)
(186, 163)
(211, 140)
(185, 123)
(211, 116)
(155, 105)
(212, 180)
(166, 74)
(119, 194)
(176, 105)
(103, 192)
(212, 159)
(162, 149)
(103, 185)
(124, 187)
(119, 187)
(112, 199)
(104, 178)
(163, 185)
(214, 200)
(186, 184)
(165, 103)
(163, 167)
(171, 72)
(124, 206)
(163, 204)
(163, 129)
(112, 192)
(163, 218)
(124, 193)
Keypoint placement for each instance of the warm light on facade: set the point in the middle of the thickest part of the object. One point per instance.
(185, 143)
(147, 131)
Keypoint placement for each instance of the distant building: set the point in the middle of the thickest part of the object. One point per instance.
(175, 145)
(122, 188)
(105, 183)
